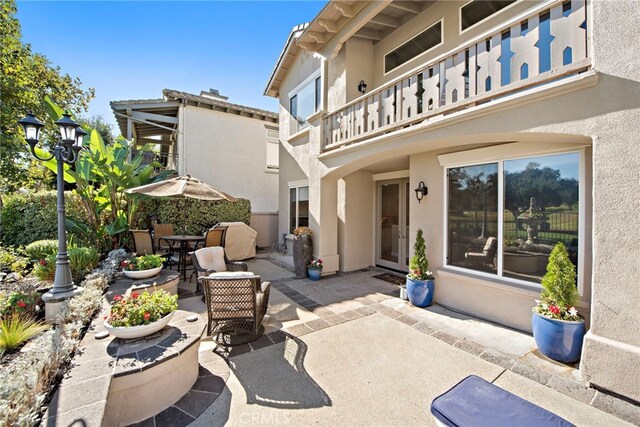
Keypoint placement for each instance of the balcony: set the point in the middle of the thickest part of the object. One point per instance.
(546, 45)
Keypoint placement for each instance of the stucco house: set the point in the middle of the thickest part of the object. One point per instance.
(232, 147)
(521, 120)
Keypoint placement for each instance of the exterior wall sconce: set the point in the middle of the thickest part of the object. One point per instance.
(362, 87)
(421, 191)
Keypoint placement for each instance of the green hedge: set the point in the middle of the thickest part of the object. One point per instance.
(196, 215)
(29, 217)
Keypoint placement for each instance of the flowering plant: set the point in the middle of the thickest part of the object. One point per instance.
(145, 262)
(141, 309)
(302, 231)
(559, 292)
(316, 264)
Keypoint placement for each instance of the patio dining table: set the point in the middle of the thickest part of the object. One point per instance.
(184, 241)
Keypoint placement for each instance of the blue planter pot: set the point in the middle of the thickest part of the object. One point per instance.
(314, 273)
(420, 292)
(559, 340)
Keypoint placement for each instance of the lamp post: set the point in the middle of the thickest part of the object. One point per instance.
(67, 150)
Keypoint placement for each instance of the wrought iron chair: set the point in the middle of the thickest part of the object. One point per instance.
(486, 256)
(211, 260)
(215, 236)
(163, 246)
(236, 305)
(143, 245)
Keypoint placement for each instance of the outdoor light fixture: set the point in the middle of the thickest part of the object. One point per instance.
(421, 191)
(67, 150)
(362, 87)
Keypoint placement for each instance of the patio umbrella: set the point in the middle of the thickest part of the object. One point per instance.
(182, 186)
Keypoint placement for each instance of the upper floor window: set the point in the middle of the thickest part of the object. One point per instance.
(421, 43)
(273, 163)
(305, 100)
(479, 10)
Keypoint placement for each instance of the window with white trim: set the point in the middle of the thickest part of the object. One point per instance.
(273, 147)
(298, 207)
(504, 217)
(305, 101)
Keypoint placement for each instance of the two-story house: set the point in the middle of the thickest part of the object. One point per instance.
(230, 146)
(497, 127)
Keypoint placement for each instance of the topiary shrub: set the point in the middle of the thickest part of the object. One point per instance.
(191, 216)
(40, 249)
(33, 216)
(418, 264)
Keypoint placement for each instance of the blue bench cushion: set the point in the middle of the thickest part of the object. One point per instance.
(476, 402)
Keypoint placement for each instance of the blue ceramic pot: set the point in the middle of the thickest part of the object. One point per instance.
(420, 292)
(314, 273)
(559, 340)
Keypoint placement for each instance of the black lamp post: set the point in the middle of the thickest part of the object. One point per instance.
(67, 150)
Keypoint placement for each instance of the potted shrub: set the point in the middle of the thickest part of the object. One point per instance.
(420, 281)
(142, 267)
(140, 315)
(315, 269)
(302, 250)
(558, 329)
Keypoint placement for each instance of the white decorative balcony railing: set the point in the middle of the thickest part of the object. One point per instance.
(547, 45)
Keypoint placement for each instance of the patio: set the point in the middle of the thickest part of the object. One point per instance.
(347, 351)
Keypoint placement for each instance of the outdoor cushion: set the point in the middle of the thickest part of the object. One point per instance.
(232, 275)
(476, 402)
(211, 258)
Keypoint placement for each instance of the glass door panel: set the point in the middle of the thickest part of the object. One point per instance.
(392, 249)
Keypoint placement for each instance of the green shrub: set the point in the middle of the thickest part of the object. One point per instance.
(141, 309)
(11, 260)
(40, 249)
(144, 262)
(15, 330)
(18, 303)
(559, 291)
(29, 217)
(81, 261)
(418, 264)
(191, 215)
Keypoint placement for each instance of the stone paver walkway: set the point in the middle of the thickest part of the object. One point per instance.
(346, 351)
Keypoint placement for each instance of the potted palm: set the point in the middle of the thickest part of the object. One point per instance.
(315, 269)
(420, 281)
(558, 329)
(140, 315)
(142, 267)
(302, 250)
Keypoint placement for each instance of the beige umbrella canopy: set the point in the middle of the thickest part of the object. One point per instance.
(182, 186)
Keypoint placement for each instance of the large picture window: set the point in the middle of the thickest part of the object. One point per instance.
(298, 207)
(511, 232)
(304, 102)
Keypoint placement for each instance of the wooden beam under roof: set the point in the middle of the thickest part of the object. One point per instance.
(318, 37)
(385, 21)
(407, 6)
(329, 26)
(345, 10)
(310, 47)
(366, 33)
(155, 117)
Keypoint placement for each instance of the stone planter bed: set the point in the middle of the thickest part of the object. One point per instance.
(118, 382)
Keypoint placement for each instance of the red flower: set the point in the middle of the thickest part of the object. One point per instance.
(43, 262)
(21, 304)
(124, 264)
(134, 295)
(147, 316)
(319, 261)
(554, 309)
(117, 297)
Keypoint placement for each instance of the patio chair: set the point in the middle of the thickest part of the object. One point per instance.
(485, 256)
(143, 245)
(160, 230)
(236, 305)
(211, 260)
(215, 236)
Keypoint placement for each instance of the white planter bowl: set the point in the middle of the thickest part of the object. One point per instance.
(127, 333)
(142, 274)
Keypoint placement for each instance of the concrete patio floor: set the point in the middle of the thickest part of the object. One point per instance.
(346, 351)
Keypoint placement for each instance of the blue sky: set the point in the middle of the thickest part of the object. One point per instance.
(133, 50)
